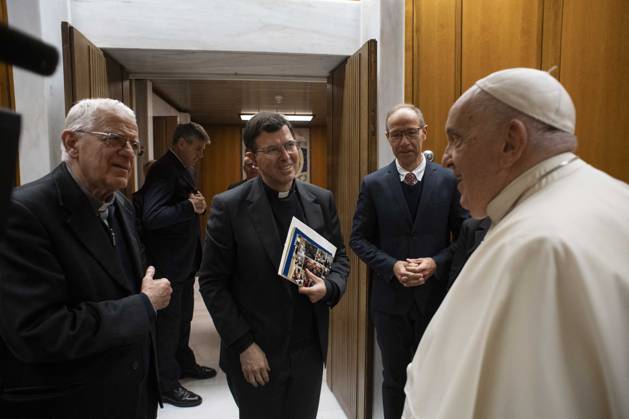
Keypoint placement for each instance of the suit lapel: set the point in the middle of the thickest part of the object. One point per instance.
(86, 226)
(264, 222)
(312, 208)
(394, 185)
(428, 186)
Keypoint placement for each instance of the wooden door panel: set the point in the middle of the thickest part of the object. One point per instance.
(499, 34)
(594, 64)
(352, 152)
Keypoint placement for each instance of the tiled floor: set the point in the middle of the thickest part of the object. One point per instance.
(217, 400)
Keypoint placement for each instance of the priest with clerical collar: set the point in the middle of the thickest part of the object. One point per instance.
(273, 333)
(535, 326)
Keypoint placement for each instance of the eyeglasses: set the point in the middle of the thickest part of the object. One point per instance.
(275, 151)
(410, 133)
(115, 140)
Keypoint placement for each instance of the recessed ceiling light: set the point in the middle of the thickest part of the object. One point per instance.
(293, 118)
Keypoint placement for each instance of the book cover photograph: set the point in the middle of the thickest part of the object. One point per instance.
(305, 249)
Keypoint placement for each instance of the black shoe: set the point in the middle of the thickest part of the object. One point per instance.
(181, 397)
(199, 372)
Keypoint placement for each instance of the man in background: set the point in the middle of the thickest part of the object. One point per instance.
(170, 204)
(405, 216)
(77, 307)
(274, 334)
(536, 324)
(250, 170)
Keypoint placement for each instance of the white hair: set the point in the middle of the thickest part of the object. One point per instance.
(87, 114)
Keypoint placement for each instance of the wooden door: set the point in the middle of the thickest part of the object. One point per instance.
(163, 130)
(352, 154)
(452, 43)
(84, 67)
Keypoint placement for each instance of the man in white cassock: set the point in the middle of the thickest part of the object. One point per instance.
(536, 325)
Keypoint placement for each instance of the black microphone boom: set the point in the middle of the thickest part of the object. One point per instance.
(22, 50)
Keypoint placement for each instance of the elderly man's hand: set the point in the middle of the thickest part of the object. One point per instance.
(316, 290)
(157, 290)
(254, 365)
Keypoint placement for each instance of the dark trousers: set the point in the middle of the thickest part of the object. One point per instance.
(290, 394)
(398, 337)
(173, 334)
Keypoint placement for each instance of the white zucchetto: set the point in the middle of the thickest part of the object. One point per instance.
(533, 92)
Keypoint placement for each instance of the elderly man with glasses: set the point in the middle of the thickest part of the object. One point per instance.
(273, 333)
(77, 305)
(405, 216)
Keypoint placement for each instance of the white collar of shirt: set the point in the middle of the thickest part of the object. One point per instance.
(522, 186)
(418, 171)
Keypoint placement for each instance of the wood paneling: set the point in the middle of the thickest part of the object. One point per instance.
(436, 78)
(84, 67)
(163, 130)
(594, 66)
(319, 156)
(353, 150)
(221, 164)
(409, 44)
(586, 40)
(551, 36)
(118, 82)
(7, 98)
(499, 34)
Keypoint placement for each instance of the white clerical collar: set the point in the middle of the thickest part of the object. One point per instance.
(418, 171)
(522, 186)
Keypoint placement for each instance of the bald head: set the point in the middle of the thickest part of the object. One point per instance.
(493, 142)
(249, 167)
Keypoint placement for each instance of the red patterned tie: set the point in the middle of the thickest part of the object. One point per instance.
(410, 179)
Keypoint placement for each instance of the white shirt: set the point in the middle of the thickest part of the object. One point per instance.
(536, 324)
(418, 171)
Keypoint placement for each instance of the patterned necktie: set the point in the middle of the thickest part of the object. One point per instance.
(410, 179)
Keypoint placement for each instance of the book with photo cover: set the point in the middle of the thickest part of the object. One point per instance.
(305, 249)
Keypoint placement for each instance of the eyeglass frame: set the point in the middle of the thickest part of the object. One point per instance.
(274, 151)
(106, 137)
(404, 134)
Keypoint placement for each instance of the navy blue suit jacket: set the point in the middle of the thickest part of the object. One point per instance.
(384, 231)
(170, 227)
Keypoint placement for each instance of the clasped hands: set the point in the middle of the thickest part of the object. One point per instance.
(198, 202)
(414, 272)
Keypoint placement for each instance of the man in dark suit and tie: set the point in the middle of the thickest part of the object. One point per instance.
(77, 308)
(273, 333)
(405, 216)
(170, 205)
